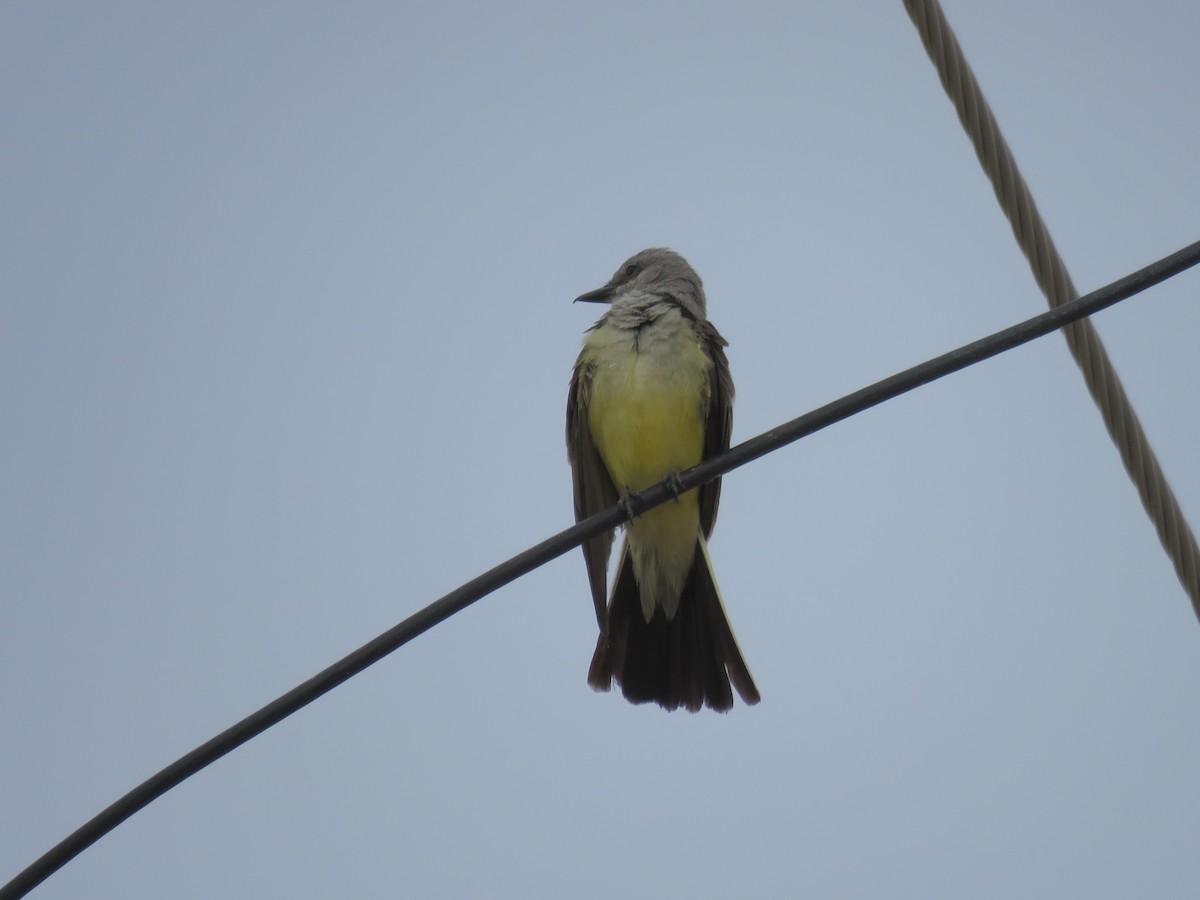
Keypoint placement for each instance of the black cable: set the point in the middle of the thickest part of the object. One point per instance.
(457, 600)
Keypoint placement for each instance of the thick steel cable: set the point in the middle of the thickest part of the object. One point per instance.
(1052, 277)
(456, 601)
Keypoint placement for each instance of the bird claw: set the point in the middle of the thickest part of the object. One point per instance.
(670, 481)
(673, 484)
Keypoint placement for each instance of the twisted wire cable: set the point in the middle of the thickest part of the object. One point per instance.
(1051, 275)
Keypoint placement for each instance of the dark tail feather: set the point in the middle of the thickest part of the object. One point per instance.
(609, 659)
(688, 661)
(731, 655)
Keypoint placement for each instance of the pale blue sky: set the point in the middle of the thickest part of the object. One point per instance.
(285, 334)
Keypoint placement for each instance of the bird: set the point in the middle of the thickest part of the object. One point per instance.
(650, 396)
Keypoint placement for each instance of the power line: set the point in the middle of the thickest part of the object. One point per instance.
(457, 600)
(1052, 277)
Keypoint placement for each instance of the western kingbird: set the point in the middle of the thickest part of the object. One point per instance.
(651, 396)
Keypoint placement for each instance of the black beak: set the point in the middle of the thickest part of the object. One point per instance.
(599, 295)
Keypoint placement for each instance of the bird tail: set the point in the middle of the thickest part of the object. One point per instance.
(689, 660)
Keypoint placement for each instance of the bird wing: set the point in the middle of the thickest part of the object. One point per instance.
(594, 490)
(718, 423)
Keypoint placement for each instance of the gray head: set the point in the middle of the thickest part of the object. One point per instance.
(656, 272)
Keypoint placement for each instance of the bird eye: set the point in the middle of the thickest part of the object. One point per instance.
(629, 271)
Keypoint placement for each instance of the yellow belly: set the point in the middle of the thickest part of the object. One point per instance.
(647, 420)
(644, 430)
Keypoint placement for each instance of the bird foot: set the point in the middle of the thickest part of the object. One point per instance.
(672, 483)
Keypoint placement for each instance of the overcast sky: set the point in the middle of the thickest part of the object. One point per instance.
(285, 335)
